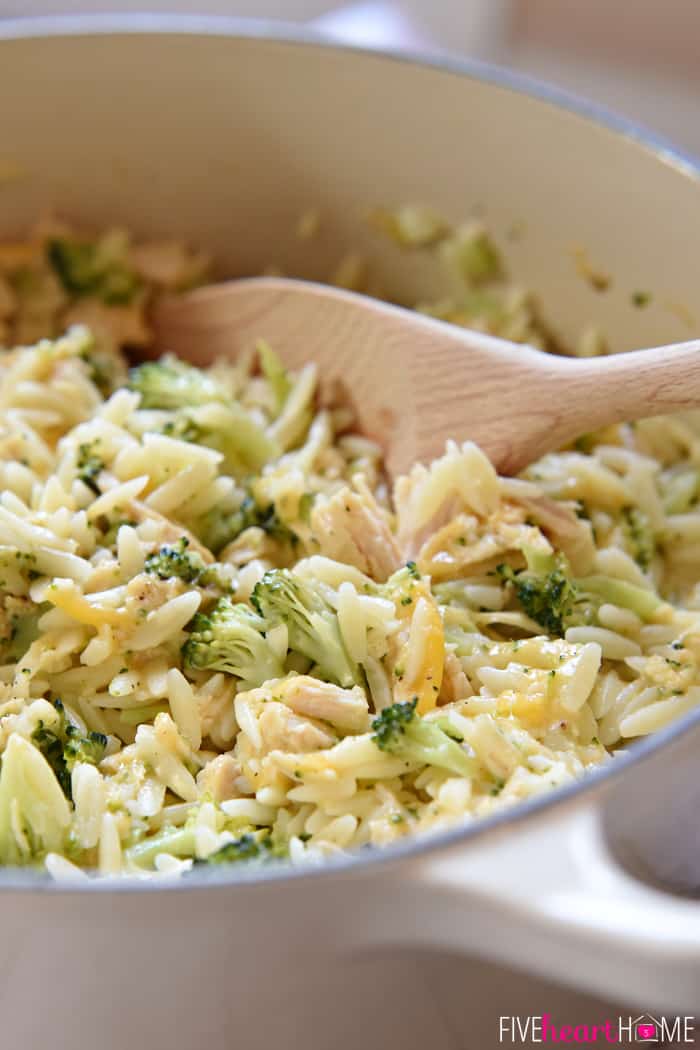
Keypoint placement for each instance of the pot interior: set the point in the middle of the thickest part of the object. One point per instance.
(226, 140)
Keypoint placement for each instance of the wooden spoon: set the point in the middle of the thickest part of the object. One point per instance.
(415, 382)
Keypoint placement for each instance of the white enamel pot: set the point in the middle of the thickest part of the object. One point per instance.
(223, 134)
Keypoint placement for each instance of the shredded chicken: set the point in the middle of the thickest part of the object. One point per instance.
(219, 778)
(215, 703)
(558, 520)
(252, 543)
(345, 708)
(283, 730)
(350, 527)
(461, 481)
(455, 684)
(146, 592)
(413, 542)
(468, 541)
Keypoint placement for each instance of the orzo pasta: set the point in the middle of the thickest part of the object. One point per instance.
(225, 639)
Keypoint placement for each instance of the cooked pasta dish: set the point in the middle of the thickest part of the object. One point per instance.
(226, 639)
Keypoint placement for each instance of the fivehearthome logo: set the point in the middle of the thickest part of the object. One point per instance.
(644, 1029)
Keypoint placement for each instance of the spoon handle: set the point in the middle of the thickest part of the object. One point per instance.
(530, 403)
(605, 390)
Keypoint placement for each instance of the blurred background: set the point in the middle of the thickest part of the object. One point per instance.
(639, 57)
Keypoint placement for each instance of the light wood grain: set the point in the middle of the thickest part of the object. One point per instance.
(415, 382)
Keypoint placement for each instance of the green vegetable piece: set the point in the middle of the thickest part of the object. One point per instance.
(229, 429)
(410, 226)
(178, 842)
(217, 528)
(474, 256)
(89, 465)
(104, 368)
(64, 745)
(172, 384)
(618, 592)
(225, 521)
(245, 848)
(245, 444)
(176, 561)
(544, 590)
(283, 597)
(275, 373)
(136, 716)
(86, 268)
(398, 730)
(639, 536)
(32, 802)
(265, 518)
(231, 638)
(24, 629)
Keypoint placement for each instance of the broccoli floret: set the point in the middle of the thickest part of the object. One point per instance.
(86, 268)
(283, 597)
(89, 465)
(275, 373)
(231, 638)
(172, 384)
(176, 560)
(181, 842)
(259, 846)
(639, 536)
(65, 745)
(19, 618)
(229, 429)
(25, 630)
(401, 732)
(220, 525)
(109, 527)
(217, 528)
(183, 428)
(546, 599)
(557, 601)
(545, 590)
(105, 368)
(246, 847)
(474, 255)
(226, 428)
(391, 722)
(79, 748)
(265, 518)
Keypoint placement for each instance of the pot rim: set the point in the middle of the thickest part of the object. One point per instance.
(370, 860)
